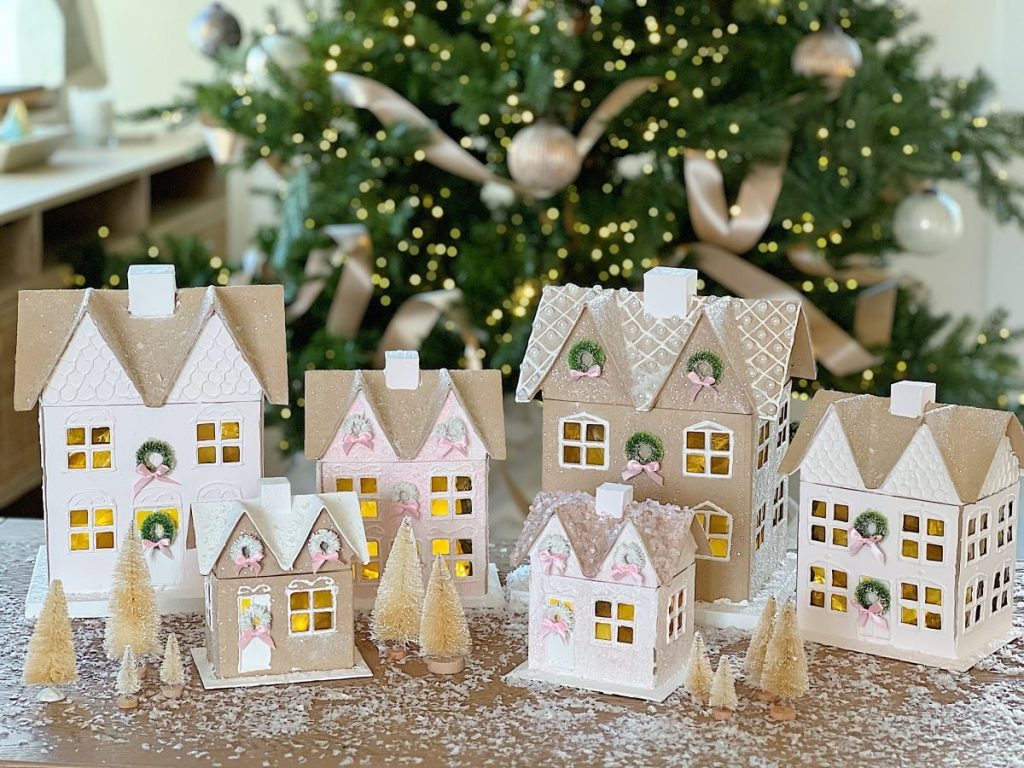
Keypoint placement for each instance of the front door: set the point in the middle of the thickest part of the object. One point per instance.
(557, 628)
(160, 529)
(877, 626)
(256, 654)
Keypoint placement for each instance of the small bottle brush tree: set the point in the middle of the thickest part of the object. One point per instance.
(134, 618)
(754, 661)
(698, 672)
(51, 651)
(398, 608)
(723, 691)
(172, 673)
(784, 676)
(128, 684)
(444, 634)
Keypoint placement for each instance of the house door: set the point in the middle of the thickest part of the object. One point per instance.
(558, 631)
(160, 528)
(878, 625)
(256, 654)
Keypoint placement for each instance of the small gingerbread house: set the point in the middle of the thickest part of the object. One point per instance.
(908, 516)
(611, 591)
(278, 574)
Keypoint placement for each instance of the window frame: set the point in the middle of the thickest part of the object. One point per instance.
(452, 557)
(780, 502)
(614, 622)
(218, 442)
(706, 509)
(828, 588)
(922, 537)
(764, 437)
(830, 524)
(1002, 587)
(975, 597)
(920, 605)
(1005, 526)
(707, 452)
(366, 498)
(760, 526)
(450, 495)
(88, 448)
(583, 419)
(782, 439)
(321, 584)
(375, 559)
(90, 504)
(675, 615)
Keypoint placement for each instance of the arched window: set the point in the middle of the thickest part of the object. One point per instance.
(717, 524)
(583, 442)
(91, 522)
(829, 588)
(219, 436)
(921, 604)
(89, 439)
(708, 450)
(157, 500)
(219, 492)
(312, 606)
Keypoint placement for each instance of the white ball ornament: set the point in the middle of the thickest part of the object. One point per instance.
(927, 222)
(829, 54)
(287, 52)
(544, 159)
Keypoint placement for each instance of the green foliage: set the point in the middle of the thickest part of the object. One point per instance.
(593, 351)
(868, 518)
(653, 450)
(706, 360)
(167, 529)
(873, 587)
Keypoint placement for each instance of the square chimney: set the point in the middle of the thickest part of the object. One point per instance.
(668, 291)
(151, 289)
(612, 499)
(910, 398)
(402, 369)
(276, 493)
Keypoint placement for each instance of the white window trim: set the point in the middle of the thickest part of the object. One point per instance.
(830, 523)
(678, 602)
(1005, 527)
(708, 427)
(1004, 592)
(782, 439)
(88, 421)
(157, 499)
(357, 477)
(972, 616)
(708, 508)
(452, 556)
(920, 606)
(922, 537)
(584, 419)
(451, 495)
(373, 559)
(614, 621)
(301, 585)
(89, 502)
(780, 502)
(763, 455)
(761, 526)
(828, 589)
(978, 536)
(217, 417)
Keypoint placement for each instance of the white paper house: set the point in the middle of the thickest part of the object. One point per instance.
(149, 399)
(907, 527)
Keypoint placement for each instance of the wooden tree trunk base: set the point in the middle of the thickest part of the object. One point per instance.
(782, 712)
(172, 691)
(764, 696)
(50, 694)
(700, 700)
(394, 654)
(446, 665)
(721, 714)
(127, 702)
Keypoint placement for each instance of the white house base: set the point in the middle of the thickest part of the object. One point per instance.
(723, 614)
(523, 674)
(212, 682)
(494, 597)
(93, 605)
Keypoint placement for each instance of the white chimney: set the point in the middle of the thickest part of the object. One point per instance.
(668, 291)
(151, 290)
(910, 398)
(612, 499)
(402, 369)
(275, 493)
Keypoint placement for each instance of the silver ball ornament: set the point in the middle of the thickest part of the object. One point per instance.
(829, 54)
(544, 159)
(213, 29)
(927, 222)
(287, 52)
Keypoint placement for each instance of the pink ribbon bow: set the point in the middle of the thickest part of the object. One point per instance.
(459, 445)
(253, 561)
(592, 372)
(350, 441)
(411, 508)
(164, 545)
(149, 475)
(553, 561)
(627, 571)
(634, 468)
(698, 382)
(872, 613)
(555, 627)
(857, 542)
(260, 633)
(319, 558)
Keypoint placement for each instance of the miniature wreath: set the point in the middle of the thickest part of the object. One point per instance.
(873, 591)
(357, 424)
(871, 523)
(630, 553)
(560, 612)
(256, 616)
(245, 542)
(585, 354)
(452, 429)
(404, 492)
(705, 363)
(644, 448)
(160, 448)
(323, 541)
(158, 525)
(556, 544)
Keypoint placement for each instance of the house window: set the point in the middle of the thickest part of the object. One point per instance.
(707, 451)
(717, 524)
(921, 538)
(141, 513)
(614, 622)
(779, 502)
(759, 526)
(583, 442)
(457, 554)
(783, 435)
(920, 605)
(369, 496)
(979, 526)
(311, 611)
(974, 601)
(90, 447)
(676, 616)
(451, 494)
(830, 523)
(91, 527)
(370, 571)
(1002, 583)
(829, 587)
(219, 441)
(1005, 524)
(763, 433)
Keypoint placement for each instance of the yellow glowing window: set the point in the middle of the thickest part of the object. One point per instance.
(463, 483)
(625, 611)
(440, 547)
(232, 454)
(595, 457)
(839, 579)
(719, 524)
(343, 484)
(311, 610)
(719, 465)
(707, 450)
(624, 635)
(936, 527)
(368, 508)
(300, 623)
(79, 541)
(76, 460)
(76, 436)
(841, 512)
(838, 603)
(463, 569)
(207, 454)
(103, 517)
(464, 546)
(817, 599)
(908, 591)
(933, 595)
(911, 523)
(720, 441)
(695, 464)
(101, 459)
(323, 620)
(79, 518)
(94, 452)
(839, 537)
(719, 547)
(323, 598)
(373, 547)
(696, 440)
(226, 448)
(142, 513)
(367, 485)
(571, 430)
(583, 443)
(718, 528)
(818, 508)
(438, 483)
(100, 436)
(603, 609)
(602, 630)
(818, 533)
(932, 620)
(817, 574)
(370, 571)
(909, 548)
(451, 494)
(229, 430)
(463, 506)
(94, 528)
(595, 432)
(933, 552)
(908, 616)
(206, 431)
(105, 540)
(571, 454)
(439, 508)
(299, 601)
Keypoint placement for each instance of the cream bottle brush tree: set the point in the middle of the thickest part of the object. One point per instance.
(754, 661)
(785, 665)
(128, 685)
(134, 617)
(444, 634)
(698, 671)
(172, 673)
(398, 606)
(723, 698)
(50, 660)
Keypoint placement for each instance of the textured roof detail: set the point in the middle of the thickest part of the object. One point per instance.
(215, 369)
(89, 373)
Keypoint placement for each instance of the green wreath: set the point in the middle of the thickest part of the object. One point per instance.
(585, 353)
(874, 587)
(161, 447)
(640, 443)
(872, 519)
(705, 361)
(161, 520)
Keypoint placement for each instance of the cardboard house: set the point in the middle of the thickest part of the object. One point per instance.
(278, 587)
(611, 591)
(149, 399)
(908, 511)
(413, 444)
(684, 397)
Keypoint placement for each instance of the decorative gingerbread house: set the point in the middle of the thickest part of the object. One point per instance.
(908, 512)
(685, 397)
(412, 444)
(278, 594)
(611, 591)
(149, 399)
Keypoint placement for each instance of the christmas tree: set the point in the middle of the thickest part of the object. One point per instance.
(50, 660)
(698, 671)
(128, 684)
(723, 690)
(785, 665)
(754, 661)
(444, 634)
(134, 618)
(395, 620)
(172, 674)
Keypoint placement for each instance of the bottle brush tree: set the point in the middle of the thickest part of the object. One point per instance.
(398, 607)
(723, 691)
(172, 673)
(785, 665)
(128, 684)
(444, 634)
(134, 618)
(698, 671)
(754, 661)
(51, 650)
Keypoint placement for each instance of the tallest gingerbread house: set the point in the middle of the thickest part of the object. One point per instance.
(685, 397)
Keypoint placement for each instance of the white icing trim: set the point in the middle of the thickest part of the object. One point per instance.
(583, 418)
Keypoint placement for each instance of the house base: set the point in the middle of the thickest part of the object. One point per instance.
(723, 614)
(212, 682)
(494, 597)
(522, 675)
(92, 605)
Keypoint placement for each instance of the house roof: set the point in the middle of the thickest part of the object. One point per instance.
(770, 338)
(406, 415)
(284, 529)
(967, 438)
(152, 350)
(664, 530)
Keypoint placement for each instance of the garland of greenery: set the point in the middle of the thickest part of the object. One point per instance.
(873, 587)
(160, 447)
(703, 361)
(581, 351)
(872, 523)
(640, 440)
(158, 525)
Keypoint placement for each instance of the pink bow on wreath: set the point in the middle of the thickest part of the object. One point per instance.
(553, 561)
(252, 561)
(350, 441)
(593, 372)
(634, 468)
(149, 475)
(857, 542)
(260, 633)
(319, 558)
(872, 613)
(698, 382)
(459, 445)
(627, 571)
(554, 627)
(411, 508)
(163, 545)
